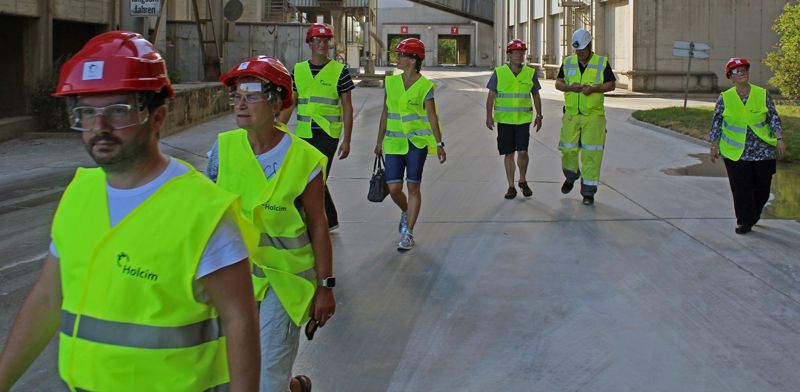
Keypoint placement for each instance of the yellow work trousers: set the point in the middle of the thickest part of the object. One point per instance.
(584, 136)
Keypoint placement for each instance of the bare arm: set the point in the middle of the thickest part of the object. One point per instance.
(231, 291)
(382, 127)
(313, 200)
(490, 110)
(286, 114)
(537, 104)
(430, 110)
(37, 322)
(562, 86)
(347, 103)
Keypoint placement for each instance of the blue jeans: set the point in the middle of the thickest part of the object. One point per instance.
(411, 162)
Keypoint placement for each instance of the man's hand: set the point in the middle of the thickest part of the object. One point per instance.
(344, 150)
(379, 149)
(587, 89)
(576, 87)
(490, 122)
(537, 122)
(440, 152)
(324, 305)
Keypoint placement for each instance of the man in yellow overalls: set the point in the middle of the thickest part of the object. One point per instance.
(583, 78)
(148, 279)
(324, 108)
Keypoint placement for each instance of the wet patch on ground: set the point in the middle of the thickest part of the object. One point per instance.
(785, 202)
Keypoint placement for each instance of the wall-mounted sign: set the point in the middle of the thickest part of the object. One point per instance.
(454, 30)
(145, 7)
(403, 29)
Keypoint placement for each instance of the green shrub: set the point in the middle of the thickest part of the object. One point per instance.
(785, 61)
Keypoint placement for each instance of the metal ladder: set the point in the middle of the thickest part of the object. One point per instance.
(209, 64)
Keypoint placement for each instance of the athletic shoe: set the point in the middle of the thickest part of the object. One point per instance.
(403, 223)
(406, 241)
(588, 200)
(512, 193)
(567, 187)
(526, 190)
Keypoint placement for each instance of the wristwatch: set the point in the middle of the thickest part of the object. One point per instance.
(440, 144)
(327, 282)
(539, 116)
(779, 138)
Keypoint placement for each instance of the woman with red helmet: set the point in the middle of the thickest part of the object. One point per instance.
(747, 132)
(409, 130)
(280, 178)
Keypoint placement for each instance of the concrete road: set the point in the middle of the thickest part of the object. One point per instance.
(649, 289)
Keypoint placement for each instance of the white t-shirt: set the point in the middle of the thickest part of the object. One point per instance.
(226, 245)
(270, 161)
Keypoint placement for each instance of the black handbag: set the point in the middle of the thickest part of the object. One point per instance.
(378, 189)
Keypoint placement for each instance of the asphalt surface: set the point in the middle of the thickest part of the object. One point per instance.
(647, 290)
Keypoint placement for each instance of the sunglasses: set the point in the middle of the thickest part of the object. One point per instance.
(311, 328)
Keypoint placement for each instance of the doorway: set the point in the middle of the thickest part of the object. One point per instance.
(454, 50)
(394, 40)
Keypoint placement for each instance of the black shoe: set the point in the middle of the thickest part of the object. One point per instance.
(588, 200)
(743, 229)
(567, 187)
(526, 190)
(512, 193)
(332, 227)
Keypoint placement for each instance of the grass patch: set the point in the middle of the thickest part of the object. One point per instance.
(696, 122)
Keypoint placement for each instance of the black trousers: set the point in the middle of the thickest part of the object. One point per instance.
(327, 145)
(750, 183)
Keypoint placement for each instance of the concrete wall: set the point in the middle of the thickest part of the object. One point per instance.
(429, 23)
(195, 103)
(284, 41)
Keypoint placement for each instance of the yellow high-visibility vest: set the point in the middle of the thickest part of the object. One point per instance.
(407, 119)
(284, 259)
(318, 99)
(130, 320)
(737, 117)
(593, 76)
(512, 103)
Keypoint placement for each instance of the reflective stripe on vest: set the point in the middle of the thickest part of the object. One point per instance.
(738, 117)
(590, 147)
(576, 102)
(226, 387)
(512, 101)
(407, 119)
(129, 291)
(318, 99)
(141, 336)
(309, 274)
(284, 250)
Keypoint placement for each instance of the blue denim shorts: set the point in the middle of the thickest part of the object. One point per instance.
(411, 163)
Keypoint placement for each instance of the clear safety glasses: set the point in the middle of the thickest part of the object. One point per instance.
(318, 40)
(118, 116)
(740, 71)
(250, 92)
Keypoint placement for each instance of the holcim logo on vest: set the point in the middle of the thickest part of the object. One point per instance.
(324, 83)
(131, 271)
(270, 207)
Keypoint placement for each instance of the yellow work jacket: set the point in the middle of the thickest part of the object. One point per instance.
(512, 102)
(737, 117)
(284, 259)
(593, 76)
(407, 119)
(130, 320)
(318, 99)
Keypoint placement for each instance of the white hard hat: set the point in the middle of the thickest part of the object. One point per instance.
(580, 39)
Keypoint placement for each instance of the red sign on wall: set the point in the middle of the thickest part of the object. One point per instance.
(454, 30)
(403, 29)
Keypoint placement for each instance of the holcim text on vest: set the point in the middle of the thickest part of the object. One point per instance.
(127, 269)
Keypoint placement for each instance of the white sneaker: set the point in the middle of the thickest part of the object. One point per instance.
(406, 241)
(403, 223)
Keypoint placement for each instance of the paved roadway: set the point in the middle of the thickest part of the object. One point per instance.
(649, 289)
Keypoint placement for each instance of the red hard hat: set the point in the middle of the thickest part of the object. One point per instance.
(318, 30)
(411, 46)
(516, 44)
(264, 67)
(733, 63)
(114, 61)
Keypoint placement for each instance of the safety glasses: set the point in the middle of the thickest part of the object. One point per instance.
(401, 55)
(318, 40)
(118, 116)
(740, 71)
(250, 92)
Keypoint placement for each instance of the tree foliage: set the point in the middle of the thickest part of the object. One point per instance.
(785, 61)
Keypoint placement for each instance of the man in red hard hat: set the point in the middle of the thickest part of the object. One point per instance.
(148, 276)
(509, 103)
(324, 107)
